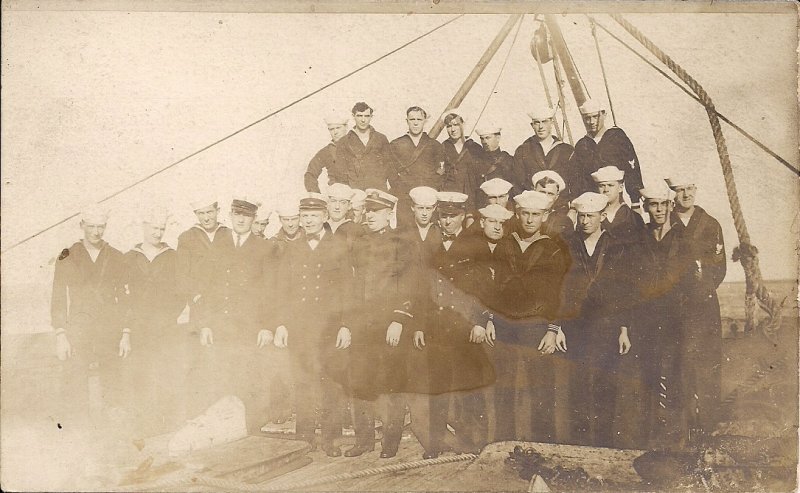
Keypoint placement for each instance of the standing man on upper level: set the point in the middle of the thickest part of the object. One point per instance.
(416, 160)
(497, 163)
(543, 151)
(462, 157)
(603, 146)
(324, 158)
(361, 155)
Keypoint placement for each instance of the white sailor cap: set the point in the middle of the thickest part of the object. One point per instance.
(155, 215)
(488, 129)
(423, 196)
(657, 191)
(496, 211)
(203, 201)
(94, 214)
(548, 173)
(608, 173)
(541, 111)
(357, 200)
(340, 191)
(263, 214)
(454, 111)
(678, 179)
(590, 107)
(530, 199)
(590, 202)
(378, 199)
(335, 117)
(289, 208)
(496, 187)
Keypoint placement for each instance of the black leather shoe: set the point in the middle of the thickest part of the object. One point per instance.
(388, 454)
(430, 455)
(358, 450)
(331, 450)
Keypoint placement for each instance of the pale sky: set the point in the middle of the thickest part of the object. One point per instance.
(92, 101)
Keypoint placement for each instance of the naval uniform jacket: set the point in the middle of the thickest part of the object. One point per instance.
(498, 164)
(449, 308)
(423, 250)
(85, 297)
(192, 259)
(614, 149)
(235, 295)
(530, 155)
(461, 169)
(627, 226)
(414, 165)
(358, 165)
(152, 302)
(324, 158)
(385, 282)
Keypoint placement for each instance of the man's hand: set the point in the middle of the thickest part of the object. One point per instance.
(206, 337)
(125, 345)
(561, 341)
(491, 335)
(419, 339)
(281, 339)
(548, 344)
(624, 341)
(196, 299)
(477, 334)
(63, 348)
(393, 333)
(468, 222)
(264, 337)
(343, 338)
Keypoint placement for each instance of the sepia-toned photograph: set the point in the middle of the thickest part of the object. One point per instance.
(400, 246)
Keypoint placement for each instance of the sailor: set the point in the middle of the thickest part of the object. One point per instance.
(385, 281)
(85, 314)
(603, 146)
(194, 245)
(497, 163)
(543, 151)
(595, 287)
(462, 156)
(233, 308)
(424, 233)
(325, 157)
(621, 222)
(662, 266)
(261, 222)
(451, 334)
(701, 326)
(361, 155)
(493, 191)
(151, 305)
(559, 221)
(416, 160)
(289, 216)
(526, 325)
(338, 202)
(357, 205)
(316, 276)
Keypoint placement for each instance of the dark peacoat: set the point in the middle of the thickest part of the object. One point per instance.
(361, 166)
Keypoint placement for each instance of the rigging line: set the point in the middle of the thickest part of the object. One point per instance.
(500, 73)
(722, 117)
(603, 70)
(237, 132)
(538, 58)
(562, 102)
(577, 71)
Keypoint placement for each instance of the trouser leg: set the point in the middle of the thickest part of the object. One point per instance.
(364, 422)
(394, 416)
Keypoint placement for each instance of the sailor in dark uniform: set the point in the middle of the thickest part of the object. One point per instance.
(415, 160)
(361, 155)
(423, 233)
(497, 163)
(357, 206)
(621, 222)
(85, 314)
(595, 288)
(701, 326)
(526, 325)
(193, 248)
(289, 216)
(340, 225)
(385, 281)
(316, 276)
(261, 222)
(151, 306)
(559, 221)
(462, 156)
(543, 151)
(325, 157)
(233, 309)
(603, 146)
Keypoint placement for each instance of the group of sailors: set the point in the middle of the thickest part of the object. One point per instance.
(487, 296)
